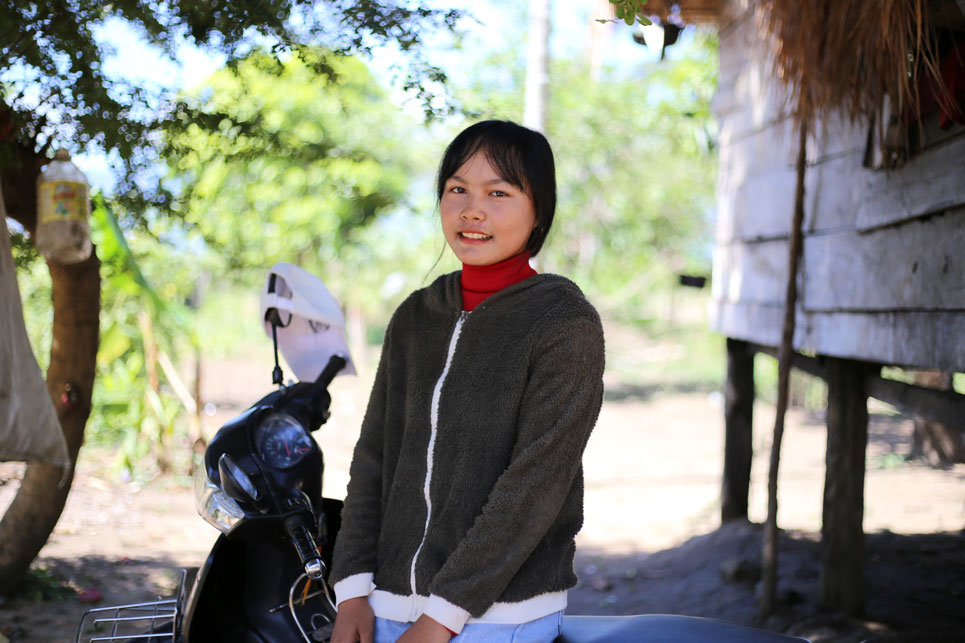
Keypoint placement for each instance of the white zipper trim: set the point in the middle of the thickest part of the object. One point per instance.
(433, 427)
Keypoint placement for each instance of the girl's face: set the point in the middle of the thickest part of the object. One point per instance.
(485, 218)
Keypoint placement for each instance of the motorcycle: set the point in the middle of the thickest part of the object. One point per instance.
(260, 485)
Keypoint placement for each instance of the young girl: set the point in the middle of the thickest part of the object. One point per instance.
(466, 486)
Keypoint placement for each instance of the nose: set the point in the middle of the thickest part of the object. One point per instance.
(474, 210)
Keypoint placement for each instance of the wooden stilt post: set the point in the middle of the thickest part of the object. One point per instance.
(738, 432)
(842, 533)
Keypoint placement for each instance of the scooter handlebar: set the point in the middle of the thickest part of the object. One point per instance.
(335, 364)
(301, 537)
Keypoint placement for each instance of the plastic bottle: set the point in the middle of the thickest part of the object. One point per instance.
(63, 211)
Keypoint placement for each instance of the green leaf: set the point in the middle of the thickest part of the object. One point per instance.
(114, 343)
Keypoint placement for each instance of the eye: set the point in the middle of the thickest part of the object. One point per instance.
(457, 189)
(498, 193)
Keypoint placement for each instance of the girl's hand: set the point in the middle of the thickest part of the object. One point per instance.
(424, 630)
(355, 622)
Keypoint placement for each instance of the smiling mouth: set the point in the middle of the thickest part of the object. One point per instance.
(475, 235)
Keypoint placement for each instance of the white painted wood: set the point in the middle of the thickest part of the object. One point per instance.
(773, 147)
(881, 278)
(914, 339)
(836, 136)
(775, 144)
(833, 191)
(930, 182)
(917, 265)
(840, 194)
(750, 272)
(758, 208)
(759, 323)
(750, 105)
(751, 100)
(723, 103)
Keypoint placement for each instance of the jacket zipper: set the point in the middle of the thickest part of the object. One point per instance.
(433, 427)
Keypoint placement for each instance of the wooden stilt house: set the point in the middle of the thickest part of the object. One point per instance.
(880, 87)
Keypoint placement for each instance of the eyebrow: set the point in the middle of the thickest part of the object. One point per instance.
(489, 182)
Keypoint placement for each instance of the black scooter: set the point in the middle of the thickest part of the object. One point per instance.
(264, 581)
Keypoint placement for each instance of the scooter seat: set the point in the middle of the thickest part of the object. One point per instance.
(663, 628)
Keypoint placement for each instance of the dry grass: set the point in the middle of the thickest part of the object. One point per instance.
(845, 56)
(841, 55)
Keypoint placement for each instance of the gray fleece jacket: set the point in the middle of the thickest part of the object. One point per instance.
(466, 485)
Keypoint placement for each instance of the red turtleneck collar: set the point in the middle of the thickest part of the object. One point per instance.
(479, 282)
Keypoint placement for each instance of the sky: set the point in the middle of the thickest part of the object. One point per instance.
(497, 25)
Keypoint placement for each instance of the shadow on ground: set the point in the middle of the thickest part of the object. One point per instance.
(915, 585)
(51, 603)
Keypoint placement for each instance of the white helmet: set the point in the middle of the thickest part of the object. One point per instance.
(314, 326)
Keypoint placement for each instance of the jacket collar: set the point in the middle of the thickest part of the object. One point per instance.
(445, 293)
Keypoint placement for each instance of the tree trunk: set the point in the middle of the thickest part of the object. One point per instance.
(34, 512)
(738, 430)
(537, 65)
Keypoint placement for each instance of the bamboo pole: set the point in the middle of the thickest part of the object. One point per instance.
(784, 357)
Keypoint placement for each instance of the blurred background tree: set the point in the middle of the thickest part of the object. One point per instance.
(296, 164)
(301, 153)
(636, 168)
(53, 92)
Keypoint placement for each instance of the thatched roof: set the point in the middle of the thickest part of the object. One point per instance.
(842, 55)
(845, 56)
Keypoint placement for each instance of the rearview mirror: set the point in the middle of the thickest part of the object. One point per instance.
(236, 482)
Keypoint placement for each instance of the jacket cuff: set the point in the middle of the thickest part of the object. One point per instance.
(450, 616)
(353, 586)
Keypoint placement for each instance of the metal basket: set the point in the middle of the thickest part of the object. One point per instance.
(152, 621)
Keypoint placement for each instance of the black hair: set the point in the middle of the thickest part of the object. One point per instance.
(519, 155)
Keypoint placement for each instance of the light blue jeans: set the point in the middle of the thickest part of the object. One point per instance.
(542, 630)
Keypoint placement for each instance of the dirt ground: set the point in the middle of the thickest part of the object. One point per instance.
(651, 542)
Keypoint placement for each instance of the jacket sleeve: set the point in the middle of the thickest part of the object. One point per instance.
(354, 558)
(559, 408)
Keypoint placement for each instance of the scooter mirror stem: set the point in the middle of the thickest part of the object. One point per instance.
(277, 377)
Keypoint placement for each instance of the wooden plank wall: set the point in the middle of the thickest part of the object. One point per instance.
(883, 271)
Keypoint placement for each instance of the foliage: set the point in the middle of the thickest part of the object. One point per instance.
(127, 410)
(139, 323)
(295, 163)
(636, 169)
(298, 157)
(53, 84)
(33, 280)
(630, 11)
(43, 585)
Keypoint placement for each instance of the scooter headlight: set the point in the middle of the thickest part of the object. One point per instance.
(214, 505)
